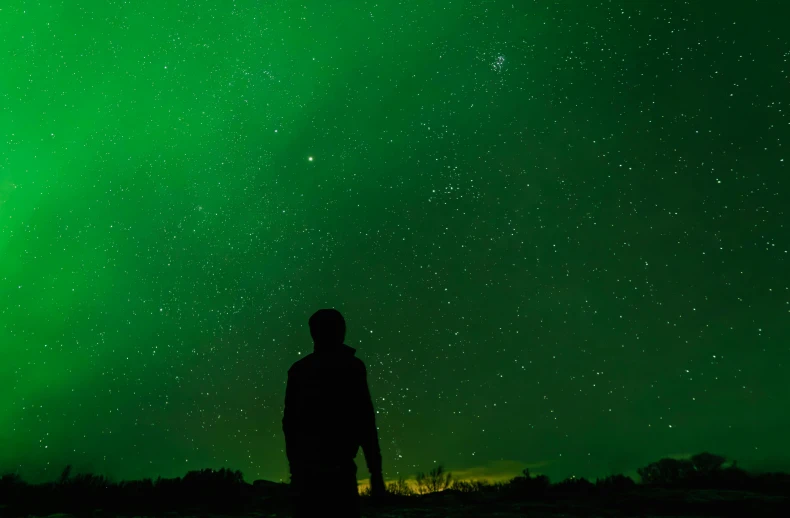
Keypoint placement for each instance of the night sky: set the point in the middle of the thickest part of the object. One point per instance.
(558, 230)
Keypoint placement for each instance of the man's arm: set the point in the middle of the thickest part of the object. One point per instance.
(288, 421)
(369, 437)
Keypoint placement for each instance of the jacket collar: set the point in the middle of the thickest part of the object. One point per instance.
(334, 349)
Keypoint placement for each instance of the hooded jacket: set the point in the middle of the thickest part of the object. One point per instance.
(329, 412)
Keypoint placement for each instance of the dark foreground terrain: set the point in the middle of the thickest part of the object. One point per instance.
(641, 502)
(699, 486)
(450, 504)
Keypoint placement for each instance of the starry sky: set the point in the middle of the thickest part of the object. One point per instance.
(557, 230)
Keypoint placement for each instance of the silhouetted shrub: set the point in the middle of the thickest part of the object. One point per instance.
(526, 486)
(735, 478)
(9, 481)
(616, 483)
(64, 475)
(400, 487)
(574, 486)
(214, 490)
(666, 472)
(701, 471)
(222, 490)
(435, 480)
(474, 486)
(707, 463)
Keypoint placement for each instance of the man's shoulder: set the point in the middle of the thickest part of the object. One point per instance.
(300, 363)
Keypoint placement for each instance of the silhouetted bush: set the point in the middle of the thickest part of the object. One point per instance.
(614, 484)
(707, 463)
(400, 487)
(527, 486)
(223, 490)
(214, 490)
(475, 486)
(435, 480)
(728, 478)
(666, 472)
(10, 481)
(574, 487)
(704, 471)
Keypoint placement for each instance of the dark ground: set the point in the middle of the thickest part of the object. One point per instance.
(640, 503)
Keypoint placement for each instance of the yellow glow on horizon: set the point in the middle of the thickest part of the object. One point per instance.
(500, 471)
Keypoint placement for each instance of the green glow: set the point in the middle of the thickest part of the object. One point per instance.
(554, 230)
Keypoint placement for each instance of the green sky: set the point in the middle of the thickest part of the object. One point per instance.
(557, 230)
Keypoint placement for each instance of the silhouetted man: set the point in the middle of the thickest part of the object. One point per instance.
(328, 416)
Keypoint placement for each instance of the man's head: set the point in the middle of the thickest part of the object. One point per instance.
(327, 327)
